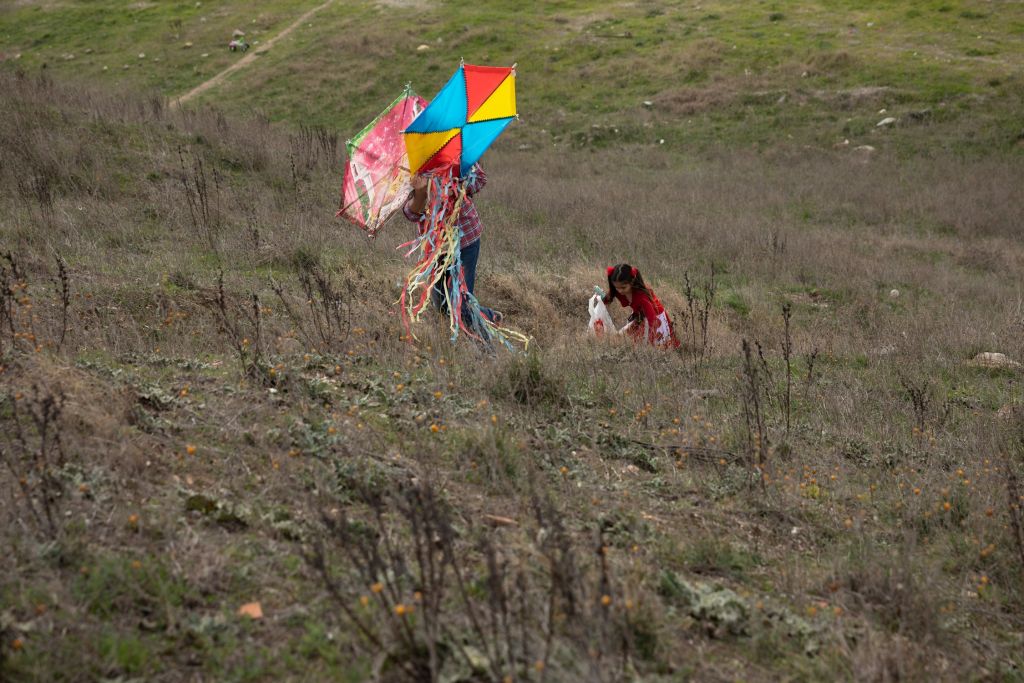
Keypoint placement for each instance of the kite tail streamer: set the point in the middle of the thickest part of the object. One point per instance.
(440, 266)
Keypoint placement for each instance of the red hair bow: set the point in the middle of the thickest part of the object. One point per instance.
(633, 272)
(611, 269)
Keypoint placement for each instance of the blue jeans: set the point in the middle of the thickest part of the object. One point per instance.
(470, 255)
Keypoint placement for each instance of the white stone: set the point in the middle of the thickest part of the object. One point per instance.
(422, 48)
(887, 121)
(894, 293)
(991, 359)
(142, 55)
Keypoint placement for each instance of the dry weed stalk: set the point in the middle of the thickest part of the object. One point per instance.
(810, 359)
(919, 395)
(698, 310)
(753, 415)
(1013, 494)
(787, 354)
(206, 219)
(330, 312)
(313, 145)
(33, 452)
(250, 351)
(17, 317)
(38, 185)
(63, 287)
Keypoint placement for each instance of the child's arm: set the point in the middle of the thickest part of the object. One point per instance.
(478, 181)
(417, 201)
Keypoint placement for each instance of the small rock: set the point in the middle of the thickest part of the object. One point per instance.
(661, 141)
(840, 145)
(990, 359)
(104, 67)
(188, 43)
(422, 48)
(864, 148)
(88, 50)
(524, 147)
(887, 121)
(1006, 412)
(894, 293)
(881, 111)
(205, 54)
(648, 103)
(68, 57)
(142, 55)
(237, 33)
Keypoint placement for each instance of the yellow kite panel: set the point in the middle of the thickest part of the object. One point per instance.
(500, 105)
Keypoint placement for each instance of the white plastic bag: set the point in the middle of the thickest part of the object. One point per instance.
(600, 320)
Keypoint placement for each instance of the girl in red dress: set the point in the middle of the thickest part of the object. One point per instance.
(649, 319)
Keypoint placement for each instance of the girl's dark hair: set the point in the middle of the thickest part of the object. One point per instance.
(624, 273)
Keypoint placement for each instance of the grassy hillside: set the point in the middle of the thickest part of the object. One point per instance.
(713, 72)
(207, 399)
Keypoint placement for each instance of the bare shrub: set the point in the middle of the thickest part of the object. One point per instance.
(429, 604)
(243, 327)
(206, 216)
(33, 452)
(699, 300)
(329, 321)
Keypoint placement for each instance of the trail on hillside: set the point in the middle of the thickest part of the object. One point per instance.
(246, 59)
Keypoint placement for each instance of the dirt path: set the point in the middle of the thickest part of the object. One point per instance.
(246, 60)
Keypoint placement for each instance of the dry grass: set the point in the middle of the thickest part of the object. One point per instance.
(206, 439)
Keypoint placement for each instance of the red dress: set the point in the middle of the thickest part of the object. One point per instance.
(650, 319)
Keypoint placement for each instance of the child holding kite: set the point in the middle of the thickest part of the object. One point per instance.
(649, 320)
(469, 227)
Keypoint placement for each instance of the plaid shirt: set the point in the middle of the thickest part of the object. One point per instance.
(469, 219)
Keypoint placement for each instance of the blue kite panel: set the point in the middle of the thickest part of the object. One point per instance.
(446, 111)
(477, 137)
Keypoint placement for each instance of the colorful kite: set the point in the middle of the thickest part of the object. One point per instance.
(471, 110)
(444, 143)
(377, 174)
